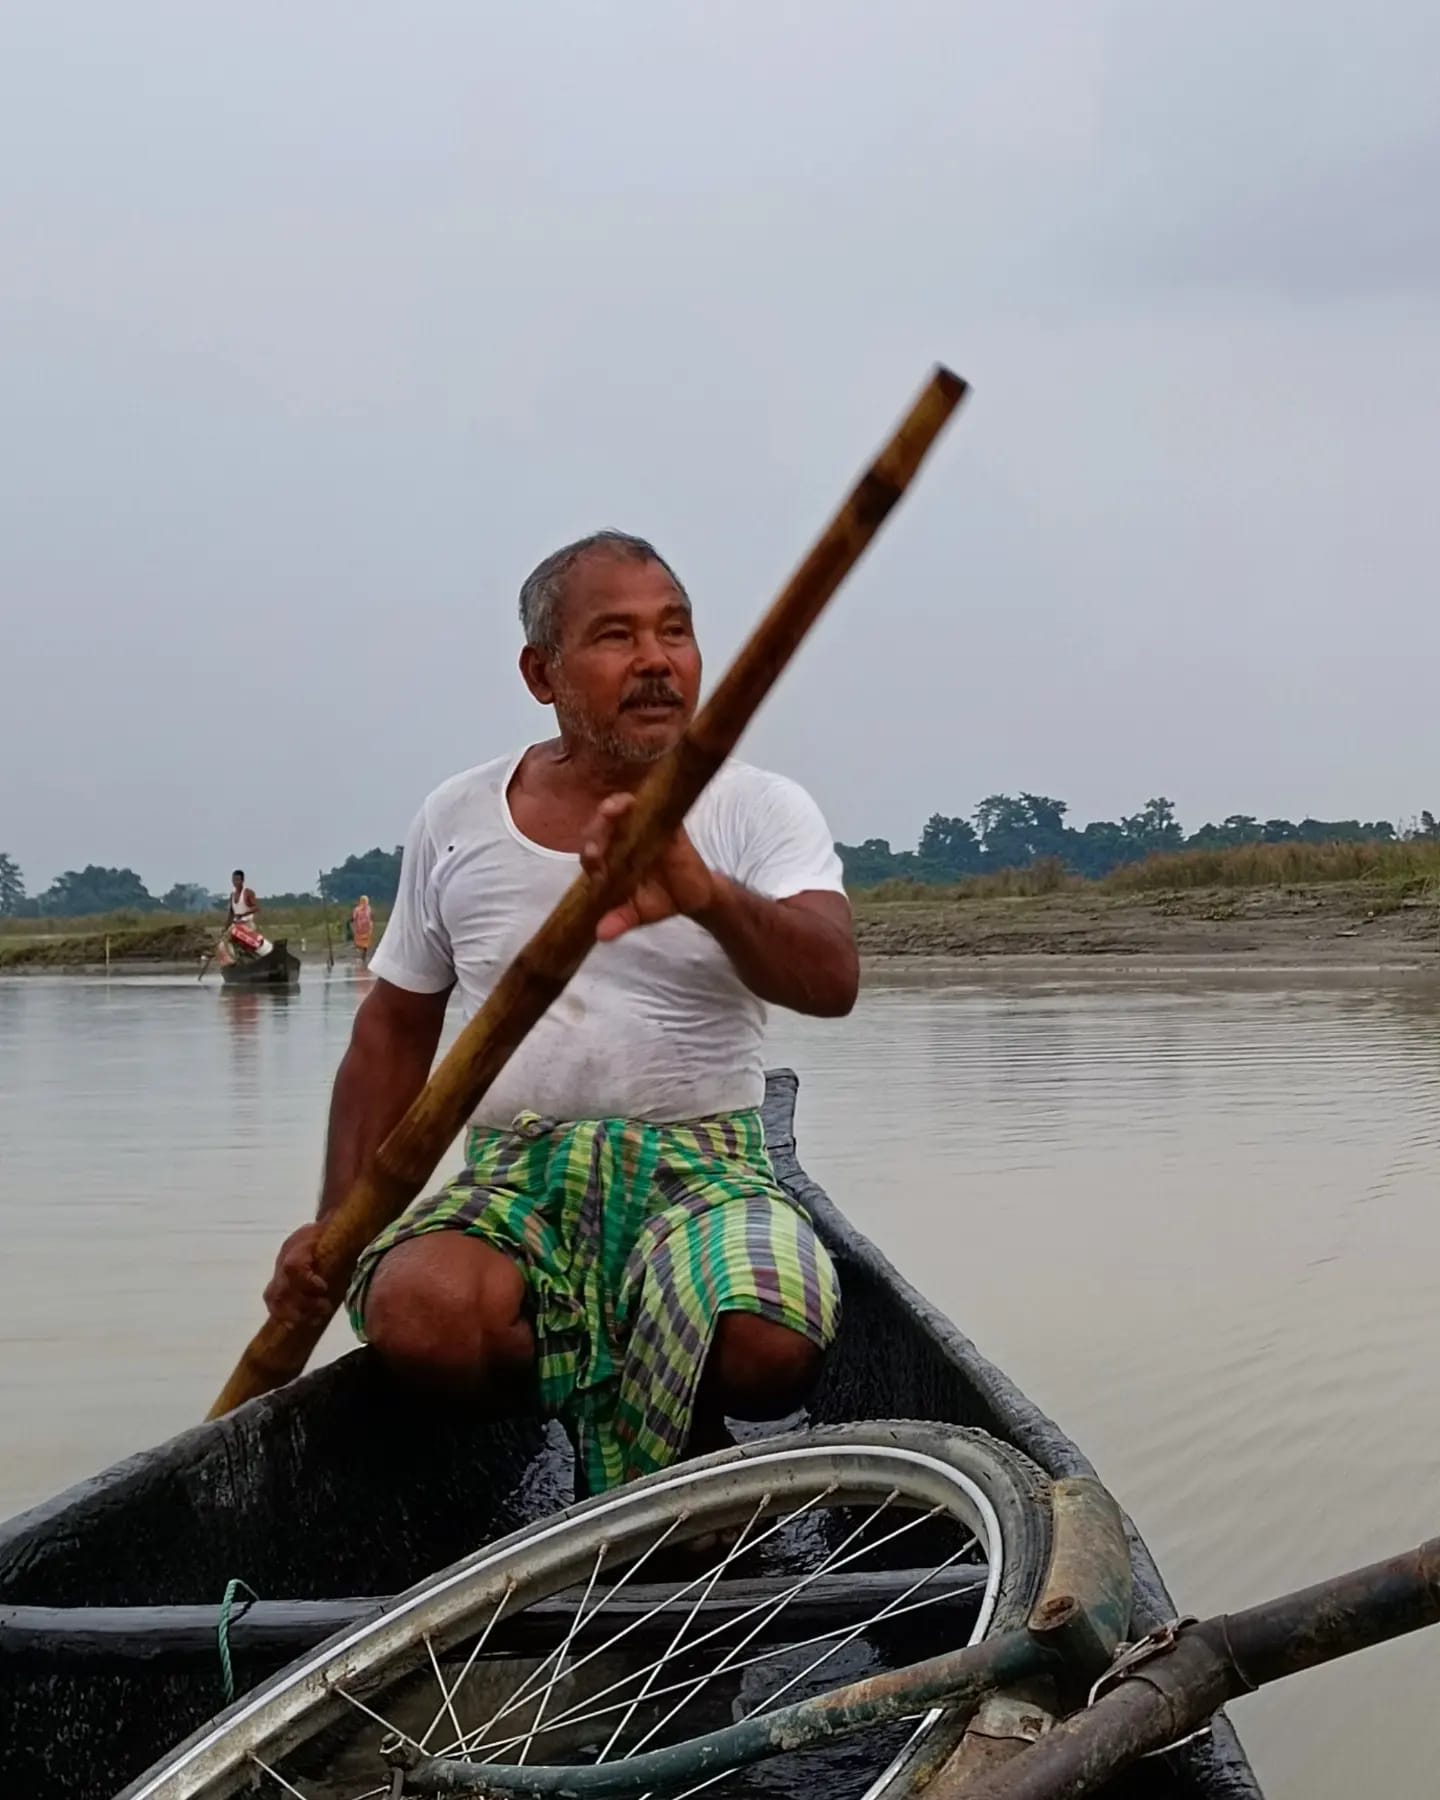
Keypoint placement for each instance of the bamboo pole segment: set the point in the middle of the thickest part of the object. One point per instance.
(329, 947)
(406, 1160)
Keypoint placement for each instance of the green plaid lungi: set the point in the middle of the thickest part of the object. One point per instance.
(634, 1238)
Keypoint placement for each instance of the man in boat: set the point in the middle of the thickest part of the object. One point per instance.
(617, 1244)
(243, 937)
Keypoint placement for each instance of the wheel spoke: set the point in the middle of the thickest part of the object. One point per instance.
(569, 1639)
(476, 1740)
(276, 1776)
(777, 1607)
(447, 1698)
(360, 1706)
(476, 1744)
(585, 1712)
(892, 1609)
(446, 1704)
(500, 1747)
(518, 1697)
(886, 1612)
(732, 1555)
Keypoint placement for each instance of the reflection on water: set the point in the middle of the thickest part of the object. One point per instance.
(1195, 1217)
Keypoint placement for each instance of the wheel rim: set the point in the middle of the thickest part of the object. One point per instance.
(435, 1637)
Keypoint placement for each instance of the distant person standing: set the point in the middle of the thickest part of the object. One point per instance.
(362, 928)
(243, 937)
(243, 906)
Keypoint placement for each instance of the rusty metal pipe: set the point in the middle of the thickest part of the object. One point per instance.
(1168, 1697)
(1173, 1696)
(1334, 1618)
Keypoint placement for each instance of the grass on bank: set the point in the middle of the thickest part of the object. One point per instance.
(1047, 876)
(1280, 865)
(1410, 866)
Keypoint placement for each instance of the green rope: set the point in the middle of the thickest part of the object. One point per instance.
(227, 1673)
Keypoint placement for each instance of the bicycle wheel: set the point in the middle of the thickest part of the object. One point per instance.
(916, 1537)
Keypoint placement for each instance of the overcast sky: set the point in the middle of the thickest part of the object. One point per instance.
(321, 323)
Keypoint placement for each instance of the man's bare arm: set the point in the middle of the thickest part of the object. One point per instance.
(392, 1046)
(799, 953)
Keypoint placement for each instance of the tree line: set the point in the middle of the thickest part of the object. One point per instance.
(1004, 832)
(1016, 831)
(83, 893)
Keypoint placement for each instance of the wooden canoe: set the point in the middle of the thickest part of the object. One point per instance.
(333, 1488)
(276, 968)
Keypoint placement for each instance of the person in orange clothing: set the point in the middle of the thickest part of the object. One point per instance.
(362, 928)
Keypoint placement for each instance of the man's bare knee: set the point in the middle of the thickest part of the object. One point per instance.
(448, 1309)
(758, 1369)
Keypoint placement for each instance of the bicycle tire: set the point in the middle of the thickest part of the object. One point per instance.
(977, 1480)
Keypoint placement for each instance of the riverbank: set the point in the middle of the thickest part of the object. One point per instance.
(1324, 923)
(171, 944)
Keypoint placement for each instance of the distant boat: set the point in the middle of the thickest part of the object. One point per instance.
(276, 968)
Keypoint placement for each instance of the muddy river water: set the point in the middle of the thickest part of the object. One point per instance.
(1196, 1215)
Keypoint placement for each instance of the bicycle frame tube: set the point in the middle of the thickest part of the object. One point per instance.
(960, 1679)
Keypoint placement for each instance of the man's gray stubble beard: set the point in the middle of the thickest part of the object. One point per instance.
(604, 740)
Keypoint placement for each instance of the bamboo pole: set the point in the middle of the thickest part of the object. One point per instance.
(406, 1160)
(213, 948)
(329, 947)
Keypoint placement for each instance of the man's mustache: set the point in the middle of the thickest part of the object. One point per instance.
(651, 693)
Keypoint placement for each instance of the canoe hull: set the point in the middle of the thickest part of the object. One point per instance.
(277, 968)
(340, 1485)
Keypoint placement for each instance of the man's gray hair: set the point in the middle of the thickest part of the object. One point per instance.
(543, 589)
